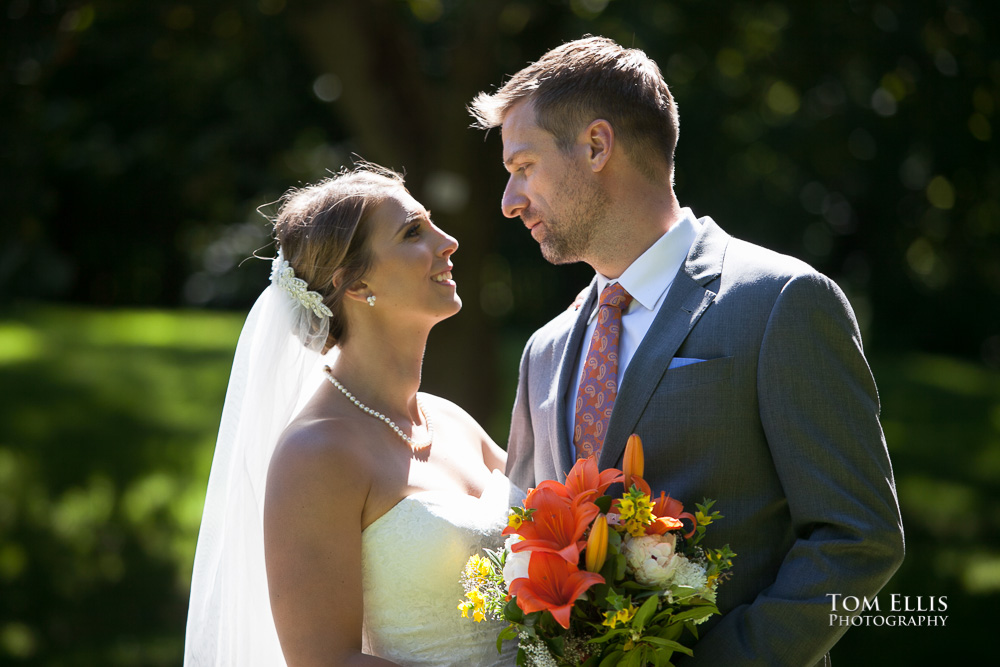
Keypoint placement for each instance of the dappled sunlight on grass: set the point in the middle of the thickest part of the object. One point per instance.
(185, 330)
(941, 418)
(982, 573)
(985, 466)
(110, 426)
(18, 343)
(941, 508)
(940, 421)
(953, 376)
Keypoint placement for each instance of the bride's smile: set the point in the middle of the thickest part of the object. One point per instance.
(324, 435)
(409, 252)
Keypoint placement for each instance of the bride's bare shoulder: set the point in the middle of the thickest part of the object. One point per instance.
(323, 454)
(322, 434)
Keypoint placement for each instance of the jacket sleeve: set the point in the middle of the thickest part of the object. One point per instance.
(819, 410)
(521, 443)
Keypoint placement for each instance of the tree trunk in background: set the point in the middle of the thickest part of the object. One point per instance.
(408, 112)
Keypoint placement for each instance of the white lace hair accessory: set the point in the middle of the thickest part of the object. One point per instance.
(283, 274)
(277, 368)
(311, 323)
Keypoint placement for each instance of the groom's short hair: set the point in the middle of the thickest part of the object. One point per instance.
(587, 79)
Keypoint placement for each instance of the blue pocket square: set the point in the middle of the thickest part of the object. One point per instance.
(677, 362)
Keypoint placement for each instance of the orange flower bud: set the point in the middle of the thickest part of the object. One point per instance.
(597, 544)
(634, 462)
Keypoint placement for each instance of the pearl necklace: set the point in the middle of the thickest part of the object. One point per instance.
(414, 444)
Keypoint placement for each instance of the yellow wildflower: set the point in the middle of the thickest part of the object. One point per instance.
(476, 603)
(614, 617)
(636, 512)
(636, 507)
(635, 528)
(515, 521)
(478, 568)
(626, 508)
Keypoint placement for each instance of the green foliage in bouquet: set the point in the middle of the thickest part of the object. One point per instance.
(590, 580)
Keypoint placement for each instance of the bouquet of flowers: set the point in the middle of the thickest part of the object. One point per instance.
(587, 580)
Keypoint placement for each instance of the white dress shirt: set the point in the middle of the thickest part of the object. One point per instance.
(647, 279)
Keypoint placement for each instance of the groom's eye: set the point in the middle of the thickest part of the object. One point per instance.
(413, 231)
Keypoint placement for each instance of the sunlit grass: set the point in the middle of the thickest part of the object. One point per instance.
(110, 421)
(18, 343)
(940, 417)
(191, 330)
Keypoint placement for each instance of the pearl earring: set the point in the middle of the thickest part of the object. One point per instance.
(371, 300)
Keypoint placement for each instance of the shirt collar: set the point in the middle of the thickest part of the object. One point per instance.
(649, 276)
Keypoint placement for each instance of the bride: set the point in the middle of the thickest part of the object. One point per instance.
(342, 504)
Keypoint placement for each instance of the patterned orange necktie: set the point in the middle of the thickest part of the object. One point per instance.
(599, 380)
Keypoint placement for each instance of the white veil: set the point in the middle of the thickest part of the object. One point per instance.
(277, 368)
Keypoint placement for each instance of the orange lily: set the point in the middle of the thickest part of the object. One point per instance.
(552, 584)
(634, 461)
(550, 485)
(558, 523)
(585, 476)
(597, 544)
(663, 524)
(668, 513)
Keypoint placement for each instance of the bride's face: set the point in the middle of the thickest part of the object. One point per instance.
(412, 269)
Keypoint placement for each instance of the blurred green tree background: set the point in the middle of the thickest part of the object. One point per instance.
(140, 138)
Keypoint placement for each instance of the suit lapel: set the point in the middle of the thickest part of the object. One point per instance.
(686, 301)
(564, 381)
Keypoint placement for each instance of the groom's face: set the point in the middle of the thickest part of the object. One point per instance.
(551, 190)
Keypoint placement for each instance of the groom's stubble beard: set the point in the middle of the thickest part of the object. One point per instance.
(570, 235)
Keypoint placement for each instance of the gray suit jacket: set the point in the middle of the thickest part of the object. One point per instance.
(779, 425)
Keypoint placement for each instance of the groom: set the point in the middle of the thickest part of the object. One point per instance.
(741, 369)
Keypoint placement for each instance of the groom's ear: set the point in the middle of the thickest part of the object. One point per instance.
(600, 140)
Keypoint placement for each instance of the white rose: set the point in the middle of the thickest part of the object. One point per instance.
(692, 575)
(651, 558)
(516, 565)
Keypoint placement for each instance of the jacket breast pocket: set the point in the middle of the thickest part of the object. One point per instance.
(702, 372)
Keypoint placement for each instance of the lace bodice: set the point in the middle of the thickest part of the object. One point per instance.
(412, 559)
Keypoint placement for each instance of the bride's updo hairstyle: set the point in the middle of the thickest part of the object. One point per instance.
(323, 231)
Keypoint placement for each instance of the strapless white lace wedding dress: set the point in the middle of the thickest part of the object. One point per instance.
(412, 561)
